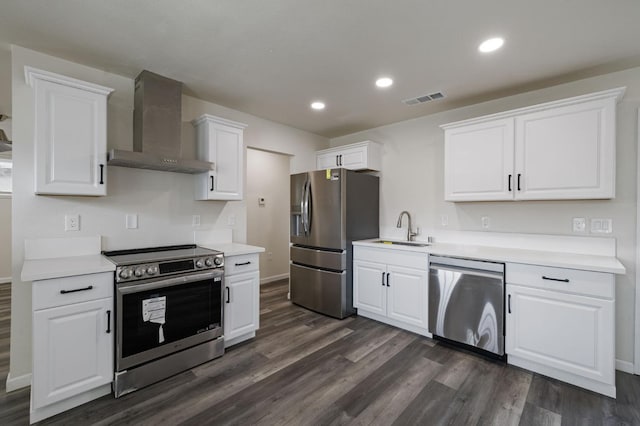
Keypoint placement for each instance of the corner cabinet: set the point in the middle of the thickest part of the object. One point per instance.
(220, 141)
(390, 286)
(72, 342)
(242, 298)
(558, 150)
(358, 156)
(560, 323)
(70, 132)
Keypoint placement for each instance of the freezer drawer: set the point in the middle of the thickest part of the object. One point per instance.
(319, 290)
(326, 259)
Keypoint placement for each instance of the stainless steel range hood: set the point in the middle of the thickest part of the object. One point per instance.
(157, 121)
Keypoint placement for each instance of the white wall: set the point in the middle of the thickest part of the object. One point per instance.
(164, 201)
(5, 203)
(412, 178)
(5, 239)
(268, 224)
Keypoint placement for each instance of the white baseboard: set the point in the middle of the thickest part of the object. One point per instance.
(624, 366)
(273, 278)
(4, 280)
(15, 383)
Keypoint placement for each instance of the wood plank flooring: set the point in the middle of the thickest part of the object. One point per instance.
(308, 369)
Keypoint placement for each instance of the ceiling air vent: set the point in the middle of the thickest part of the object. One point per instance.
(424, 98)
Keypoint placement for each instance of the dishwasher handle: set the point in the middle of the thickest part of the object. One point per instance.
(467, 271)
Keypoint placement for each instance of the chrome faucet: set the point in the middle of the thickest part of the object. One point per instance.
(410, 234)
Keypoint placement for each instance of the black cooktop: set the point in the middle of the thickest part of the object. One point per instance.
(157, 254)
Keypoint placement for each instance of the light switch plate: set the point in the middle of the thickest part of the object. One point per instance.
(485, 222)
(601, 226)
(131, 221)
(195, 221)
(72, 222)
(444, 220)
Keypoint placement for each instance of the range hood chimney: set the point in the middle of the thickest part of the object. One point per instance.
(157, 121)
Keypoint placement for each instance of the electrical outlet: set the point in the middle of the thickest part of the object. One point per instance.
(444, 220)
(72, 222)
(195, 221)
(231, 220)
(579, 224)
(269, 256)
(131, 221)
(485, 222)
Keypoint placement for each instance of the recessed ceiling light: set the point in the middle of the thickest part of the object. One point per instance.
(317, 105)
(491, 45)
(384, 82)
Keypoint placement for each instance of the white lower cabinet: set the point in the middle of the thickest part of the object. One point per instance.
(242, 298)
(72, 342)
(391, 286)
(560, 323)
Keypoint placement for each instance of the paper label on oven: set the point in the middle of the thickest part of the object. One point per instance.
(153, 310)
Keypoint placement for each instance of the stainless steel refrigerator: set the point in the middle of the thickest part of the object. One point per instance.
(329, 210)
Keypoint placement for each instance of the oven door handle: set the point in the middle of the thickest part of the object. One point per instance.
(166, 282)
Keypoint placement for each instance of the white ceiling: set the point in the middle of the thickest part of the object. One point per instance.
(271, 58)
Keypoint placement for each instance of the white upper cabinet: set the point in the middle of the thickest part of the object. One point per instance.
(479, 161)
(558, 150)
(70, 134)
(220, 141)
(358, 156)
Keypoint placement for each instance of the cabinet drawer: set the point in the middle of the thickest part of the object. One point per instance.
(588, 283)
(241, 263)
(67, 290)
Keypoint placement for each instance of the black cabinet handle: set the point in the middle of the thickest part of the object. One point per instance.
(211, 183)
(388, 279)
(562, 280)
(337, 162)
(228, 295)
(340, 156)
(519, 175)
(108, 321)
(243, 263)
(510, 176)
(509, 303)
(101, 174)
(383, 279)
(76, 289)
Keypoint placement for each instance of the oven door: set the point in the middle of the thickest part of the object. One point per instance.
(166, 315)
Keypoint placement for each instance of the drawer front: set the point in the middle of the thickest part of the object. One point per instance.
(241, 263)
(67, 290)
(587, 283)
(324, 258)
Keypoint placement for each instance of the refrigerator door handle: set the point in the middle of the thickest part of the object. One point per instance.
(304, 207)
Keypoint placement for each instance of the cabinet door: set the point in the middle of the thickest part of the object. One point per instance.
(70, 140)
(567, 152)
(72, 350)
(228, 156)
(407, 295)
(241, 308)
(354, 158)
(568, 332)
(369, 287)
(327, 161)
(478, 162)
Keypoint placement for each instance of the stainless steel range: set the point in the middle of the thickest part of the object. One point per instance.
(169, 312)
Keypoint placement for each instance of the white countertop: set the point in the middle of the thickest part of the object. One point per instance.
(42, 269)
(586, 262)
(233, 249)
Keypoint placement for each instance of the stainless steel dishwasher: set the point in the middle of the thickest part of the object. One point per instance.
(466, 302)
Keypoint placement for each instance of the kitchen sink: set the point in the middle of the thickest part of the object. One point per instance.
(402, 243)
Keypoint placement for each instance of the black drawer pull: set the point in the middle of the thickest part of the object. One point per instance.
(101, 174)
(228, 295)
(243, 264)
(75, 290)
(108, 321)
(562, 280)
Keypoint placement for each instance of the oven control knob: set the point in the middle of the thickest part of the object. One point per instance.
(152, 270)
(208, 262)
(125, 273)
(139, 272)
(199, 263)
(217, 261)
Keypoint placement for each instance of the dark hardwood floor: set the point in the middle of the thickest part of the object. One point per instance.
(307, 369)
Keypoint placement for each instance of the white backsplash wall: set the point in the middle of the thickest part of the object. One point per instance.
(163, 201)
(412, 178)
